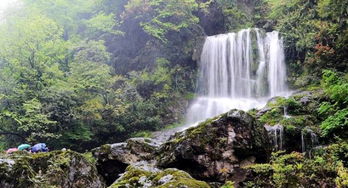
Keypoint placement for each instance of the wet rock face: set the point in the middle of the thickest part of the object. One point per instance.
(54, 169)
(145, 175)
(293, 122)
(216, 150)
(112, 160)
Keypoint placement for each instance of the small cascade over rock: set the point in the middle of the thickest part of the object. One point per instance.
(276, 135)
(238, 70)
(286, 115)
(309, 140)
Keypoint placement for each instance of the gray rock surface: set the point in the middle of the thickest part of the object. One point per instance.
(216, 150)
(54, 169)
(113, 159)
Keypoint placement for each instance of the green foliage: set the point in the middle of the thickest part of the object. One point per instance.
(333, 9)
(315, 34)
(297, 17)
(342, 178)
(65, 12)
(59, 60)
(272, 117)
(57, 85)
(143, 134)
(237, 18)
(228, 184)
(294, 170)
(103, 23)
(164, 16)
(335, 111)
(336, 124)
(336, 87)
(47, 170)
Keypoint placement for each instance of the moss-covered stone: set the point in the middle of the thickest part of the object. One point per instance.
(113, 159)
(298, 115)
(228, 184)
(145, 175)
(326, 168)
(216, 148)
(51, 169)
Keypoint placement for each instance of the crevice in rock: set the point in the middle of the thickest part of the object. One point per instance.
(110, 170)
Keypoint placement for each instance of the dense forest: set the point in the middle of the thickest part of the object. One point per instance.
(78, 74)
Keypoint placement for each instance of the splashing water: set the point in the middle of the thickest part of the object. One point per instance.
(238, 70)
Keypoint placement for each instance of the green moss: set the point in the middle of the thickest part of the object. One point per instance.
(41, 169)
(272, 117)
(90, 158)
(105, 148)
(252, 112)
(290, 128)
(143, 134)
(198, 131)
(177, 179)
(228, 184)
(180, 178)
(131, 177)
(327, 167)
(185, 182)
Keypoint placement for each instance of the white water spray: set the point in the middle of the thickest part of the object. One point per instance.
(238, 70)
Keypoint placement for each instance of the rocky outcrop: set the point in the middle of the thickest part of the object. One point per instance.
(293, 122)
(146, 175)
(113, 159)
(54, 169)
(218, 149)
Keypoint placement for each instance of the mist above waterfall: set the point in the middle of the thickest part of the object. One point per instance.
(238, 70)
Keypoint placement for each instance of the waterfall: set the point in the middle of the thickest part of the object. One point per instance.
(309, 140)
(238, 70)
(286, 115)
(303, 143)
(276, 134)
(276, 72)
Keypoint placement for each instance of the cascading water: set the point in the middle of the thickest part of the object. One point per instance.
(286, 115)
(309, 140)
(238, 70)
(276, 133)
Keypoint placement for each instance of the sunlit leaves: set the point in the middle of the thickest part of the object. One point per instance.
(103, 23)
(335, 111)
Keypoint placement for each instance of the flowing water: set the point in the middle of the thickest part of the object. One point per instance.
(309, 140)
(276, 134)
(238, 70)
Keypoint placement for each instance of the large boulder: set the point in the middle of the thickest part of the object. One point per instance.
(54, 169)
(218, 149)
(113, 159)
(146, 175)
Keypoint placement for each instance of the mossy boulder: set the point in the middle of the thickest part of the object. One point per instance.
(326, 168)
(298, 117)
(146, 175)
(53, 169)
(217, 150)
(113, 159)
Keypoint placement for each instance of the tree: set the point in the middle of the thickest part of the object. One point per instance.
(163, 16)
